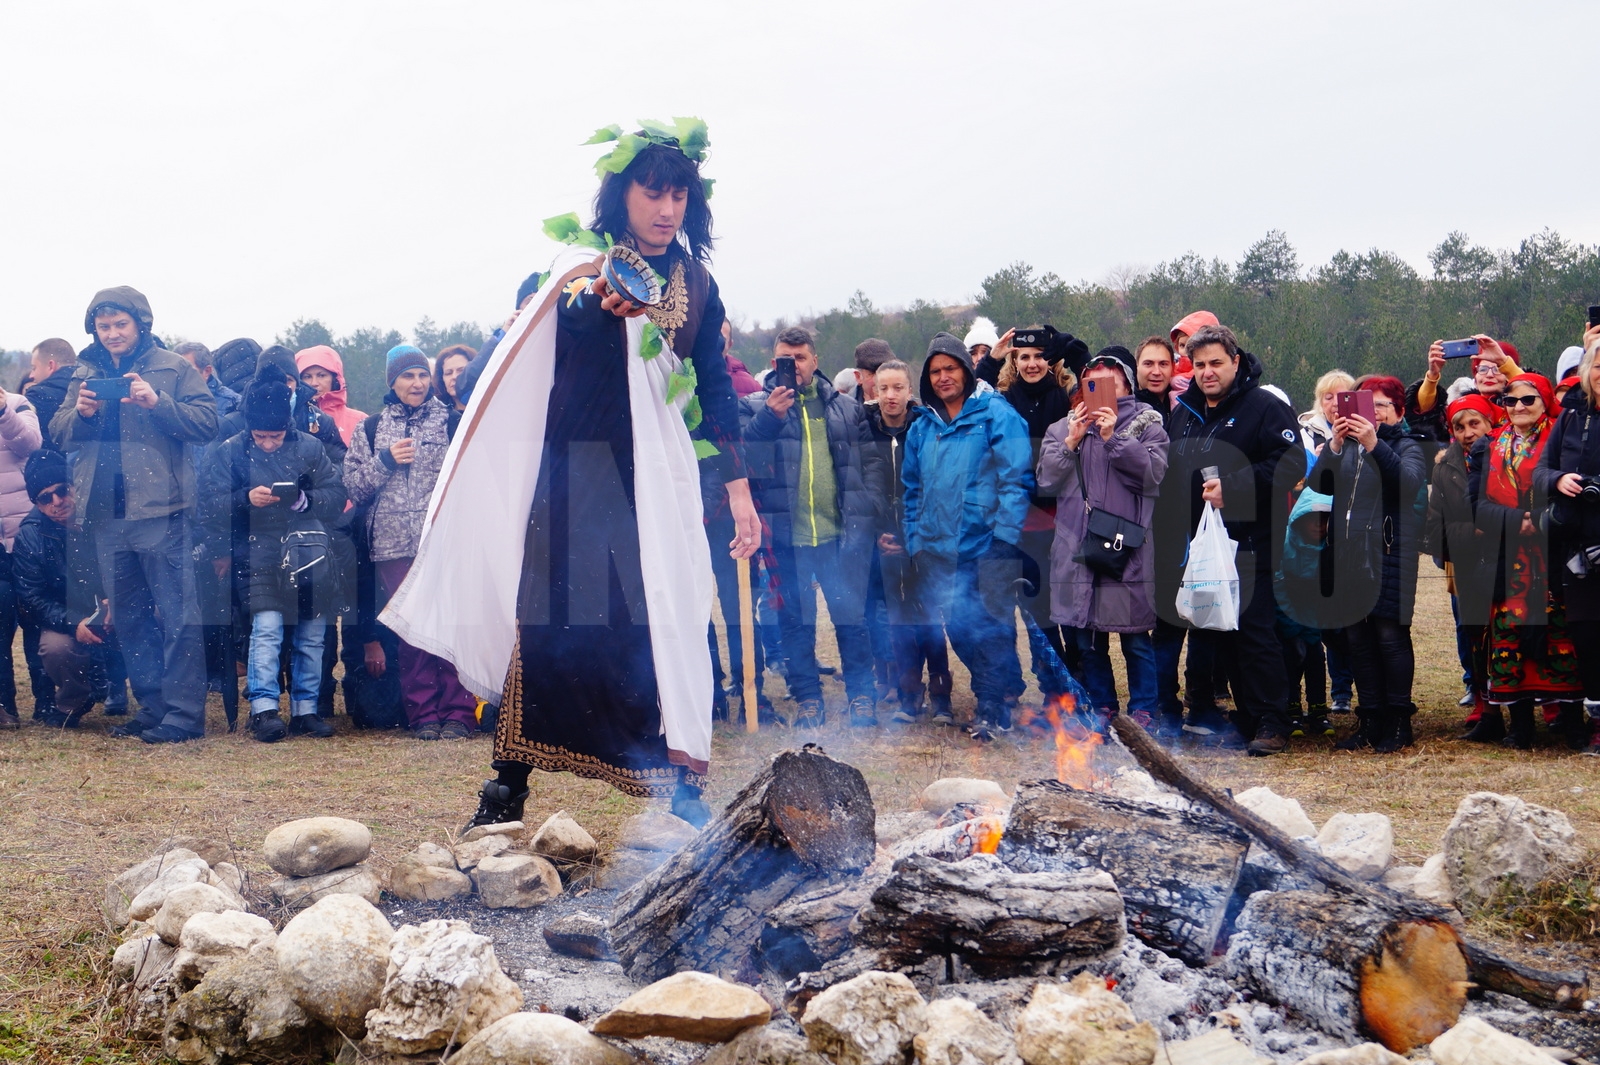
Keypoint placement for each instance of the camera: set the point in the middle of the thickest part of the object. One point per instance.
(1589, 487)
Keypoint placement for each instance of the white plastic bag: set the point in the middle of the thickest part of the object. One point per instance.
(1209, 595)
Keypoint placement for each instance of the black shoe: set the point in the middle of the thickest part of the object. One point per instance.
(1396, 734)
(115, 710)
(808, 714)
(1365, 735)
(719, 706)
(687, 804)
(862, 712)
(454, 730)
(129, 728)
(310, 725)
(168, 734)
(1521, 735)
(9, 722)
(51, 719)
(1572, 724)
(496, 806)
(267, 727)
(1489, 728)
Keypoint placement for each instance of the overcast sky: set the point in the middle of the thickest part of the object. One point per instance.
(368, 164)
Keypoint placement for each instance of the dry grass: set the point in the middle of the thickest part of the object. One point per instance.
(81, 806)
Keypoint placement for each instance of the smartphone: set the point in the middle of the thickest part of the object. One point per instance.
(286, 491)
(785, 372)
(1358, 403)
(1594, 315)
(1461, 349)
(1029, 338)
(1096, 398)
(108, 388)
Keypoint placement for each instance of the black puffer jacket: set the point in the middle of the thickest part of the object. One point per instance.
(1574, 447)
(773, 452)
(56, 574)
(1253, 439)
(255, 534)
(1452, 535)
(47, 397)
(308, 418)
(1376, 527)
(1041, 405)
(890, 444)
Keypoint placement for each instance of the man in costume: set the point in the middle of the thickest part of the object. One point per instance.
(573, 463)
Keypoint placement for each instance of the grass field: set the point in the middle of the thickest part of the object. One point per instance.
(80, 807)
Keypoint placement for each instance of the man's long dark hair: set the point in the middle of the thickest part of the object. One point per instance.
(657, 167)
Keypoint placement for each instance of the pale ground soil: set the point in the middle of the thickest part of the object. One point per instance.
(79, 807)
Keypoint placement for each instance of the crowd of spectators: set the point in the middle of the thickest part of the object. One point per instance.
(170, 531)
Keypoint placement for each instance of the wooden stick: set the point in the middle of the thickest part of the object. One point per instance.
(1488, 968)
(747, 634)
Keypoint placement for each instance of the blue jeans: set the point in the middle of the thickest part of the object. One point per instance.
(841, 569)
(305, 671)
(1138, 650)
(977, 603)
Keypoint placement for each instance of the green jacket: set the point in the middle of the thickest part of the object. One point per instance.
(158, 479)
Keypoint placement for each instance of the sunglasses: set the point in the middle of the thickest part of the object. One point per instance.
(50, 495)
(1512, 401)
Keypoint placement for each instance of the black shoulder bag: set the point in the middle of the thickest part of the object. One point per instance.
(1108, 541)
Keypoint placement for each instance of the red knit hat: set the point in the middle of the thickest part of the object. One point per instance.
(1472, 401)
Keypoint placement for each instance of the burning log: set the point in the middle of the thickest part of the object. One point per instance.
(1560, 990)
(813, 929)
(1354, 966)
(802, 823)
(999, 921)
(1176, 869)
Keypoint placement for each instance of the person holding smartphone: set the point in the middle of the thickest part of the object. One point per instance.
(263, 484)
(134, 484)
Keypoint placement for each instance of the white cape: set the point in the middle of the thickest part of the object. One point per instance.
(460, 599)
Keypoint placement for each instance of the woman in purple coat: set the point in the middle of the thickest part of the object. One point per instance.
(1109, 458)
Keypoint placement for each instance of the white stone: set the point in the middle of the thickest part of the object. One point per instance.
(656, 830)
(243, 1012)
(444, 985)
(211, 851)
(1497, 838)
(694, 1007)
(1082, 1023)
(516, 881)
(959, 1034)
(226, 875)
(356, 880)
(183, 903)
(870, 1020)
(1472, 1042)
(144, 905)
(538, 1039)
(211, 938)
(143, 961)
(314, 845)
(1279, 811)
(561, 839)
(765, 1046)
(433, 854)
(624, 868)
(1400, 877)
(1364, 1054)
(1213, 1048)
(334, 957)
(948, 792)
(468, 855)
(413, 881)
(1433, 882)
(1360, 844)
(128, 883)
(500, 828)
(1126, 782)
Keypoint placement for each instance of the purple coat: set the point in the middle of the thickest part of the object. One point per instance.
(1122, 475)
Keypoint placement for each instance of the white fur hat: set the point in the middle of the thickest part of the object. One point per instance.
(1567, 365)
(982, 332)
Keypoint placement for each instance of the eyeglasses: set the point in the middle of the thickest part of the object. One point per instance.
(1383, 404)
(50, 495)
(1526, 401)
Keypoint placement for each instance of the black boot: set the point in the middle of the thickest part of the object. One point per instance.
(1521, 734)
(1573, 725)
(497, 804)
(1365, 735)
(1396, 732)
(687, 804)
(1489, 728)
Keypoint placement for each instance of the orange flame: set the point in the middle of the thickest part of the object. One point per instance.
(987, 832)
(1075, 745)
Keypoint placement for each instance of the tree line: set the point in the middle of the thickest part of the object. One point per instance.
(1367, 312)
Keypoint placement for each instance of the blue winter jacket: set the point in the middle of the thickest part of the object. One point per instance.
(967, 481)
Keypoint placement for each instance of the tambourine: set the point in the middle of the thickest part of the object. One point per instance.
(630, 276)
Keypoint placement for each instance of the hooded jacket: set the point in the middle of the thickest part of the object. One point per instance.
(1376, 528)
(19, 438)
(47, 396)
(254, 535)
(335, 403)
(396, 496)
(1120, 475)
(309, 418)
(775, 452)
(135, 458)
(1253, 439)
(967, 479)
(890, 443)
